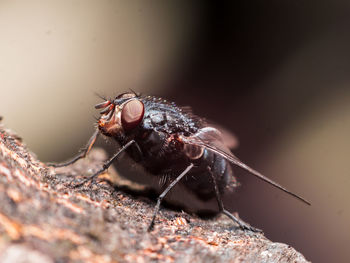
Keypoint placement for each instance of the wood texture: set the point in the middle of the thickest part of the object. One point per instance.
(44, 218)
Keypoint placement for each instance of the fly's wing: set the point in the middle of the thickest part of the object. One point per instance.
(211, 139)
(228, 138)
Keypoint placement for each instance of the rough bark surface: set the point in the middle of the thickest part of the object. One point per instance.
(44, 218)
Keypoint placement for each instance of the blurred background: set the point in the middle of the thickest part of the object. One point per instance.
(276, 73)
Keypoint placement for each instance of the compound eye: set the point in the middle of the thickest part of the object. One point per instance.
(132, 114)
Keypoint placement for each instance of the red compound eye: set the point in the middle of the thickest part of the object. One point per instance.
(132, 114)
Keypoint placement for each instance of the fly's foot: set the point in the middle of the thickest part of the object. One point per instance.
(243, 225)
(92, 179)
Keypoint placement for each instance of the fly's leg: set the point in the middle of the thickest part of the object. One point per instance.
(106, 164)
(82, 154)
(243, 225)
(160, 198)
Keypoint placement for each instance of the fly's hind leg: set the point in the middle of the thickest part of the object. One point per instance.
(83, 152)
(162, 195)
(243, 225)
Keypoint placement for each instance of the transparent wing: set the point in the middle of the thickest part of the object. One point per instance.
(229, 139)
(211, 139)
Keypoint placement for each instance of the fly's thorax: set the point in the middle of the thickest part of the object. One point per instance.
(168, 117)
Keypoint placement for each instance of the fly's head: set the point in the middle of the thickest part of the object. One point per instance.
(121, 115)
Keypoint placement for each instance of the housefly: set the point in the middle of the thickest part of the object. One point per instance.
(170, 141)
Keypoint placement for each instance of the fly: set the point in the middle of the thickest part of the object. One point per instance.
(171, 140)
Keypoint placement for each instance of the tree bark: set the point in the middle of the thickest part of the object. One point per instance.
(45, 218)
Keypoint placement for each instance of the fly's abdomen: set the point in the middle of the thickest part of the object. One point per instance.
(200, 179)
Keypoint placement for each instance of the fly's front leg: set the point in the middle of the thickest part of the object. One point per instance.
(82, 154)
(107, 164)
(243, 225)
(162, 195)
